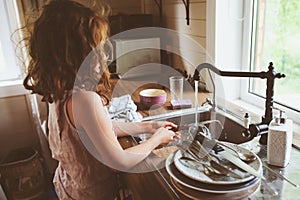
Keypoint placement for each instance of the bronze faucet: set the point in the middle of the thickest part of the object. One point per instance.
(270, 75)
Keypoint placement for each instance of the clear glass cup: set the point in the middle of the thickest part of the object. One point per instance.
(176, 87)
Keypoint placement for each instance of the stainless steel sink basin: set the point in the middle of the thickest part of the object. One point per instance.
(232, 127)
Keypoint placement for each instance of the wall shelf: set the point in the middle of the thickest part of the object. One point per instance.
(187, 10)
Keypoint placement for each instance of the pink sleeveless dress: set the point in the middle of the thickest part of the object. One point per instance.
(78, 175)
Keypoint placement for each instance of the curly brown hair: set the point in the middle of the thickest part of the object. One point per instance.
(68, 47)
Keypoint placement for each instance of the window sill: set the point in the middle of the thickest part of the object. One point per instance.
(12, 88)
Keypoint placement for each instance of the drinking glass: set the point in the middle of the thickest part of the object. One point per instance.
(176, 87)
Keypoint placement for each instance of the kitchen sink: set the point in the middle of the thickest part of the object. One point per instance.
(223, 126)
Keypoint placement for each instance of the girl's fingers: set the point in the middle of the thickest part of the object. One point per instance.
(172, 127)
(177, 136)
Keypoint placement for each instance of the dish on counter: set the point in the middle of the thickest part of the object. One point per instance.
(212, 187)
(152, 97)
(191, 170)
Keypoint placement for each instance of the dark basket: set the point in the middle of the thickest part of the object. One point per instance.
(22, 176)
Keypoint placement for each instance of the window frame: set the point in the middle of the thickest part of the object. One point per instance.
(247, 60)
(12, 69)
(12, 87)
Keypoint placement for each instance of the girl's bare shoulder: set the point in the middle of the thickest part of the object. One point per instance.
(85, 98)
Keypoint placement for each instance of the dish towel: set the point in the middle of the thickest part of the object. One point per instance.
(123, 109)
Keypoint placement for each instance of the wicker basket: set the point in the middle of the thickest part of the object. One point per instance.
(22, 175)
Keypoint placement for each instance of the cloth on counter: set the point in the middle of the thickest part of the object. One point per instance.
(123, 109)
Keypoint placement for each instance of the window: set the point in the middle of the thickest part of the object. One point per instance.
(275, 37)
(9, 70)
(245, 35)
(11, 74)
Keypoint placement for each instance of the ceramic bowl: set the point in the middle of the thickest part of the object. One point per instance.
(152, 98)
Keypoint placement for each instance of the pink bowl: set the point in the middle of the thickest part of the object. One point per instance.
(152, 97)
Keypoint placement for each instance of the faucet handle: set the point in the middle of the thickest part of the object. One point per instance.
(208, 101)
(279, 75)
(273, 73)
(246, 133)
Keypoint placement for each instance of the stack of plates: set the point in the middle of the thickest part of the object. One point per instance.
(189, 178)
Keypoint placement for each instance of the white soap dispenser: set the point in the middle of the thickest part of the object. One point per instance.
(280, 136)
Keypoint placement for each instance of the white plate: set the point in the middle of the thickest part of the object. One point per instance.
(193, 171)
(205, 187)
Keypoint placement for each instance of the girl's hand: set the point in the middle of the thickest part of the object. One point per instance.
(165, 135)
(165, 124)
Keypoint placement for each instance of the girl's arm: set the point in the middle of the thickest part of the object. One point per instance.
(89, 114)
(131, 128)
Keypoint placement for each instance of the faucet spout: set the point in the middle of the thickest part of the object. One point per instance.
(270, 75)
(205, 66)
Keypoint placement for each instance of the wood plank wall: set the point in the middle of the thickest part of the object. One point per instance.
(173, 17)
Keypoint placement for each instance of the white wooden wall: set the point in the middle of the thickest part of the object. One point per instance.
(173, 17)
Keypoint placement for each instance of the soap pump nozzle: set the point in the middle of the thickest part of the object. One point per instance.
(281, 119)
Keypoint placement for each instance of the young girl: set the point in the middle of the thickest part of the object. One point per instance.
(67, 57)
